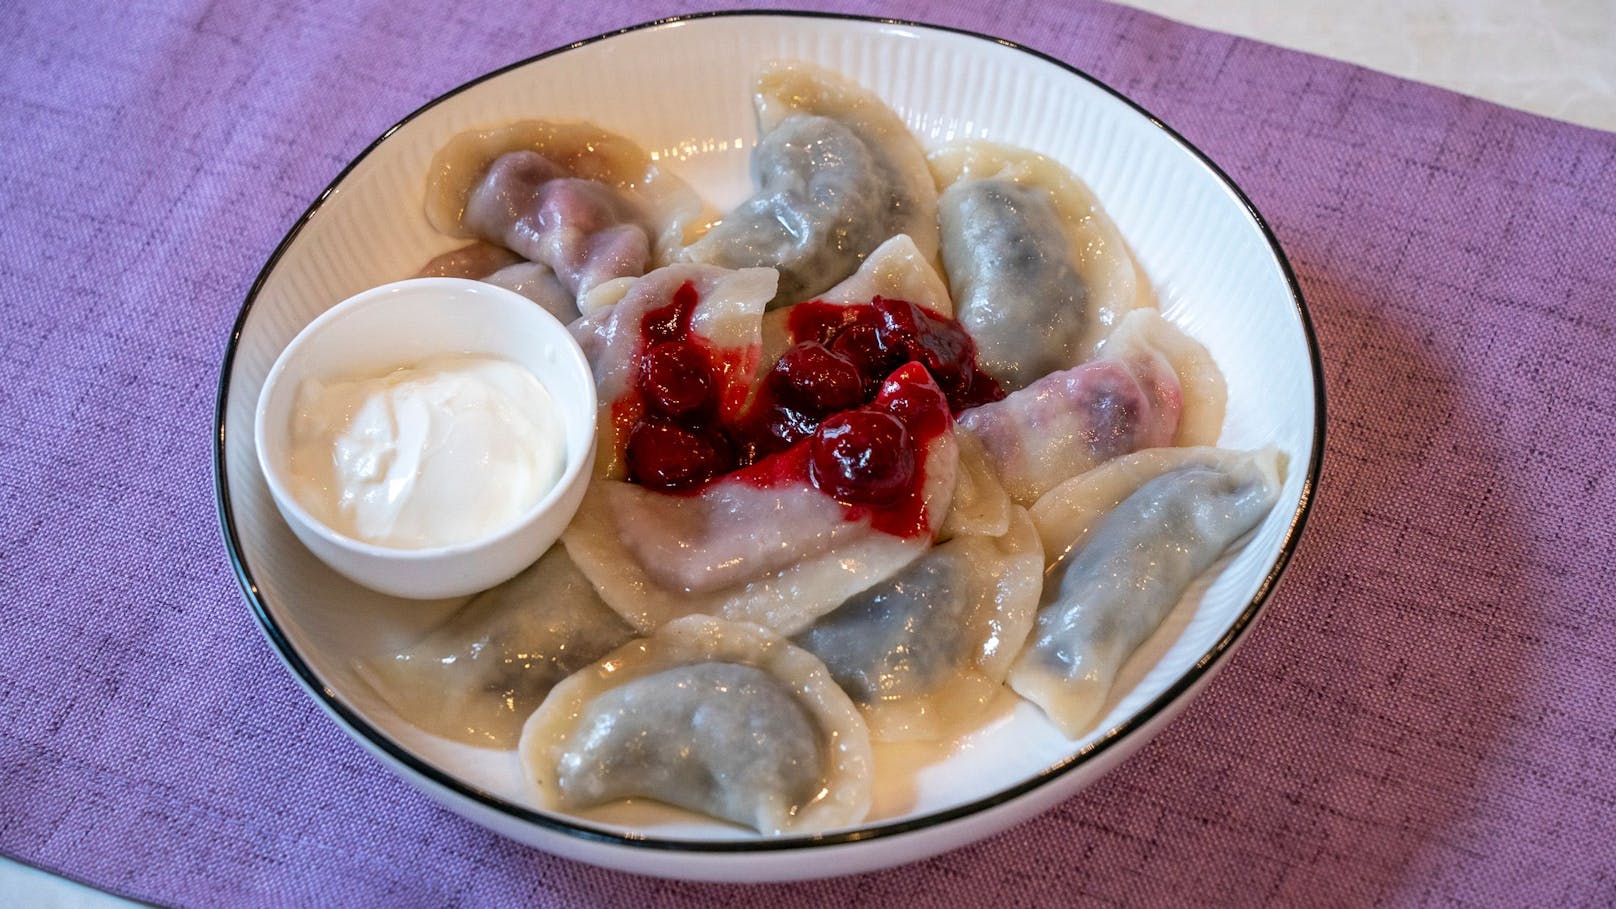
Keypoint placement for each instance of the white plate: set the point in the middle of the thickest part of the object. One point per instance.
(1216, 269)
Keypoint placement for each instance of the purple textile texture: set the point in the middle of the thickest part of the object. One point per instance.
(1424, 717)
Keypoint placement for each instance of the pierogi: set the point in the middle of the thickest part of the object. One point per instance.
(892, 438)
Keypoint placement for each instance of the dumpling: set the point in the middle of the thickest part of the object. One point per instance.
(698, 319)
(981, 506)
(582, 229)
(499, 266)
(589, 204)
(477, 677)
(1103, 599)
(896, 270)
(722, 718)
(1150, 386)
(923, 653)
(838, 174)
(1067, 514)
(1040, 275)
(538, 283)
(786, 540)
(474, 260)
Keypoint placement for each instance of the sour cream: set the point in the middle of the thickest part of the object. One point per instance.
(448, 451)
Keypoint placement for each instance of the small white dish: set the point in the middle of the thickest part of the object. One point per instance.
(1217, 270)
(408, 322)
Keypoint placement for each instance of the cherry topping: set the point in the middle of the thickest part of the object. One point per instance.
(910, 396)
(862, 344)
(879, 336)
(818, 380)
(665, 456)
(849, 407)
(676, 378)
(863, 456)
(671, 322)
(942, 346)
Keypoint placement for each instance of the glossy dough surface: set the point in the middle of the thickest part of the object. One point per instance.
(924, 652)
(1040, 274)
(838, 174)
(1150, 386)
(478, 676)
(1105, 597)
(722, 718)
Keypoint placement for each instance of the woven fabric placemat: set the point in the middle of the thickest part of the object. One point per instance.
(1423, 717)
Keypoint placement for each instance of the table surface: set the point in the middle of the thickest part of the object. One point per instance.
(1551, 57)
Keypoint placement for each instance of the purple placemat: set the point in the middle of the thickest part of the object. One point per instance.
(1425, 716)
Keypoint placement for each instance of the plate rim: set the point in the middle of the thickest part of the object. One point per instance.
(374, 738)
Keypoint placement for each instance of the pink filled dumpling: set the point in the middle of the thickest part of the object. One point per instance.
(787, 539)
(575, 205)
(1150, 386)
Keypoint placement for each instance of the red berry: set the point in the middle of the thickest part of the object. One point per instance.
(664, 456)
(818, 380)
(861, 344)
(911, 395)
(939, 344)
(863, 456)
(676, 378)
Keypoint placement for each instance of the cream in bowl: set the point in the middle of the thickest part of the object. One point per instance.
(428, 438)
(439, 454)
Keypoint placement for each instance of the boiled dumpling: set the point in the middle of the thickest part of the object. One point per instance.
(474, 260)
(924, 652)
(1040, 275)
(896, 270)
(779, 543)
(478, 676)
(583, 230)
(1150, 386)
(717, 310)
(1103, 598)
(838, 174)
(500, 267)
(981, 506)
(588, 204)
(722, 718)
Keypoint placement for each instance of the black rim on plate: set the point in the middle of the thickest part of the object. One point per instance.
(380, 741)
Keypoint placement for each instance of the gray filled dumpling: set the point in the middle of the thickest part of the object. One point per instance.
(838, 175)
(1019, 295)
(1040, 275)
(1168, 514)
(478, 676)
(624, 750)
(723, 718)
(924, 653)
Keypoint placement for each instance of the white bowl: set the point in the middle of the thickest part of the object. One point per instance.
(1215, 266)
(378, 330)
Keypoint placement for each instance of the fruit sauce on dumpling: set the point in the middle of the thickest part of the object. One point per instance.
(848, 407)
